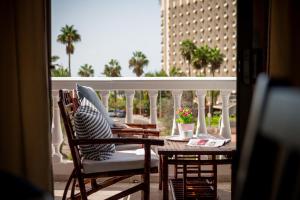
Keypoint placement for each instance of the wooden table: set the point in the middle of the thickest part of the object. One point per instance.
(171, 152)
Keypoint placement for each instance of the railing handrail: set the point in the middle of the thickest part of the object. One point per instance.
(147, 83)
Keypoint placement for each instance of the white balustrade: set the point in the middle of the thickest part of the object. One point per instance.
(177, 104)
(153, 108)
(129, 105)
(225, 130)
(104, 97)
(57, 135)
(151, 84)
(201, 125)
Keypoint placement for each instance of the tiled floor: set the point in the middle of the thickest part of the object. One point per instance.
(224, 192)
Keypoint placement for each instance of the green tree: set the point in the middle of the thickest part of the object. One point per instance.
(215, 58)
(200, 58)
(187, 48)
(161, 73)
(68, 37)
(150, 74)
(113, 69)
(54, 59)
(175, 72)
(86, 70)
(54, 63)
(60, 71)
(137, 62)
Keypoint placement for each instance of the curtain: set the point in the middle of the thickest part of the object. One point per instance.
(25, 114)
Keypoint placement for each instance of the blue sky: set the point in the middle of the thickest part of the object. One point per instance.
(108, 29)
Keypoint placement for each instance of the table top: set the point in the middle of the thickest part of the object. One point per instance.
(180, 147)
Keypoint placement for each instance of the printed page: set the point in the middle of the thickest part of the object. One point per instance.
(207, 140)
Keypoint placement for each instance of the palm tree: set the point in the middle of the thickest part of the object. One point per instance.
(113, 69)
(54, 59)
(216, 58)
(187, 48)
(86, 70)
(138, 61)
(200, 58)
(60, 72)
(54, 63)
(176, 72)
(161, 73)
(68, 36)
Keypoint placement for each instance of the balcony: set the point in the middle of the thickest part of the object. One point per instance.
(62, 168)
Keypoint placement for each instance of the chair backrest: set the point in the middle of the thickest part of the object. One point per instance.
(68, 104)
(270, 159)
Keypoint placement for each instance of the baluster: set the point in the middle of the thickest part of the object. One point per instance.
(129, 105)
(104, 97)
(153, 107)
(177, 103)
(57, 135)
(225, 124)
(201, 124)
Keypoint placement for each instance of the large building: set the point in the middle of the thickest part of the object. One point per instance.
(211, 22)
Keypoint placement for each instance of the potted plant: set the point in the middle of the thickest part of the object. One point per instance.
(185, 120)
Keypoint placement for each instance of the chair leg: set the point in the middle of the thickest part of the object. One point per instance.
(146, 175)
(146, 191)
(68, 185)
(82, 188)
(160, 173)
(73, 189)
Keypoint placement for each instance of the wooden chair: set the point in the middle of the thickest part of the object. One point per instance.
(82, 172)
(269, 166)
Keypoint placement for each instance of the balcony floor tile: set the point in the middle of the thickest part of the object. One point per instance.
(224, 191)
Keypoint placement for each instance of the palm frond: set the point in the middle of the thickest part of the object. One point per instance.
(138, 62)
(112, 69)
(86, 70)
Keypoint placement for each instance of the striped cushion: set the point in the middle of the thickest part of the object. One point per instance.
(90, 124)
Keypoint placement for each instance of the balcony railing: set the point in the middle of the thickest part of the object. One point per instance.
(151, 84)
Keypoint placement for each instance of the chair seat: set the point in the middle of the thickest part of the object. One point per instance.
(121, 160)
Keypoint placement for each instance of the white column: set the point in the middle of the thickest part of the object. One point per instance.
(201, 124)
(129, 105)
(177, 103)
(225, 124)
(153, 108)
(57, 135)
(104, 97)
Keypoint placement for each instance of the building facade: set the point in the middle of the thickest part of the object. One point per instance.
(205, 22)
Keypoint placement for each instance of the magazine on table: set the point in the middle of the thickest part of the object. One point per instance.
(207, 140)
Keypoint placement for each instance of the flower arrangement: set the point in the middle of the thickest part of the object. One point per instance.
(185, 116)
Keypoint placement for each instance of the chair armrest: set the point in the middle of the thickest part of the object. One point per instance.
(145, 141)
(135, 131)
(143, 126)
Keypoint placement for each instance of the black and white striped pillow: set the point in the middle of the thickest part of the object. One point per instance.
(90, 124)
